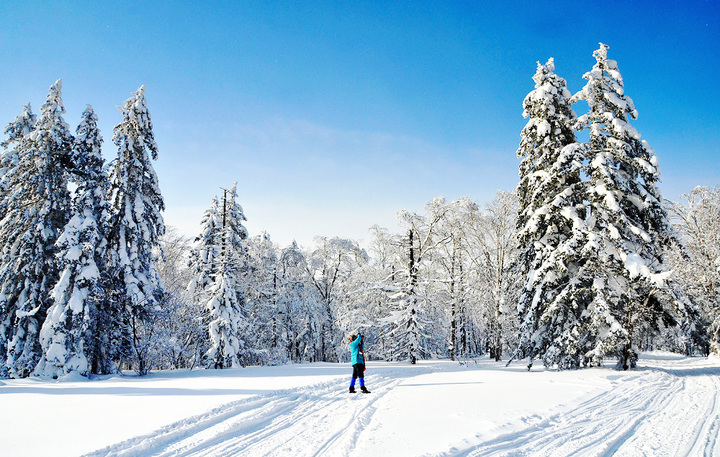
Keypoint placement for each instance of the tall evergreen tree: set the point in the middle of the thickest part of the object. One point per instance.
(136, 224)
(551, 230)
(593, 246)
(74, 335)
(626, 222)
(204, 264)
(9, 159)
(205, 255)
(409, 304)
(16, 131)
(227, 319)
(36, 210)
(228, 324)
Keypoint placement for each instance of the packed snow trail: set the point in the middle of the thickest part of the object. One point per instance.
(287, 422)
(670, 406)
(671, 409)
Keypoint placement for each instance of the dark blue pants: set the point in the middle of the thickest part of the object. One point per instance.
(358, 372)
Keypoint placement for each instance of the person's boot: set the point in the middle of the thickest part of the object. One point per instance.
(364, 390)
(352, 389)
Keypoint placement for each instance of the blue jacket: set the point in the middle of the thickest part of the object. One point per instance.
(355, 356)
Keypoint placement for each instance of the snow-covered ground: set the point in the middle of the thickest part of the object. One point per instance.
(668, 406)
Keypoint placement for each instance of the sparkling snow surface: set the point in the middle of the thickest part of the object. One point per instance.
(668, 406)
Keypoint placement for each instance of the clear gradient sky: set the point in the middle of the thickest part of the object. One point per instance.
(333, 116)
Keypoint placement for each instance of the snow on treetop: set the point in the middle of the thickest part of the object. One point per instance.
(601, 53)
(543, 71)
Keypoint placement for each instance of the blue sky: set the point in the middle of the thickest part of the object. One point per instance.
(333, 116)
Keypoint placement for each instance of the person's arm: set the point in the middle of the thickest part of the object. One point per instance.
(356, 342)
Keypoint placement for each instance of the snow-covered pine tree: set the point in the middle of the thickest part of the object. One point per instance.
(228, 324)
(204, 264)
(404, 296)
(227, 321)
(16, 131)
(9, 159)
(74, 334)
(409, 305)
(136, 226)
(626, 222)
(205, 254)
(36, 210)
(550, 227)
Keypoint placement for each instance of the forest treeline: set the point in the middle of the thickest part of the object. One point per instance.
(583, 261)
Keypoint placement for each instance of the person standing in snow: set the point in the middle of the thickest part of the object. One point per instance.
(357, 359)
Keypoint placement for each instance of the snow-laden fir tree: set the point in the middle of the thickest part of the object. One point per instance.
(627, 226)
(406, 317)
(550, 227)
(9, 159)
(136, 226)
(227, 320)
(593, 247)
(16, 131)
(225, 297)
(204, 256)
(36, 205)
(409, 306)
(204, 263)
(74, 334)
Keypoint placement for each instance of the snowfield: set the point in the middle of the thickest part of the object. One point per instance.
(669, 406)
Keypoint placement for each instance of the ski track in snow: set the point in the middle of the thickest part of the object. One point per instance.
(668, 409)
(283, 423)
(664, 411)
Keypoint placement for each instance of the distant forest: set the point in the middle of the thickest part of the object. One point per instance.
(584, 261)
